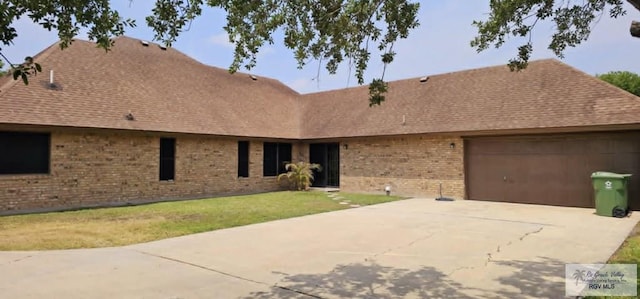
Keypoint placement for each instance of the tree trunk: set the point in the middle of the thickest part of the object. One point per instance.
(635, 29)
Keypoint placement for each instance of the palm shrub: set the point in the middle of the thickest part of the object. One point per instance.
(300, 175)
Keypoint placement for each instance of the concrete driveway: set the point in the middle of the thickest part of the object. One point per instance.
(417, 248)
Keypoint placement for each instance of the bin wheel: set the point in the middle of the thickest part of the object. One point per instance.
(619, 212)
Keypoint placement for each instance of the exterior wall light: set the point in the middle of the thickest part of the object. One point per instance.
(387, 190)
(452, 145)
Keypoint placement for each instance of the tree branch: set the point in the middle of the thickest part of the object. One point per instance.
(5, 58)
(635, 3)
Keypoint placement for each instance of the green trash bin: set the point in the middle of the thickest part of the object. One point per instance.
(610, 193)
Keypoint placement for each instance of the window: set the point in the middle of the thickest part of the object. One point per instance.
(24, 153)
(276, 156)
(270, 161)
(284, 156)
(167, 159)
(243, 159)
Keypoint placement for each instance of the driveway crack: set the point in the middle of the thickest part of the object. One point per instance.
(500, 247)
(531, 233)
(228, 274)
(401, 246)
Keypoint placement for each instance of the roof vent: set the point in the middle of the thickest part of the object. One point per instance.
(424, 79)
(164, 48)
(129, 116)
(52, 84)
(253, 77)
(144, 43)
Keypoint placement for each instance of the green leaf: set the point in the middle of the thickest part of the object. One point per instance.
(516, 19)
(377, 89)
(25, 79)
(331, 32)
(38, 67)
(16, 74)
(388, 57)
(626, 80)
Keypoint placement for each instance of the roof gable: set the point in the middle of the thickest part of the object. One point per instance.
(548, 94)
(164, 90)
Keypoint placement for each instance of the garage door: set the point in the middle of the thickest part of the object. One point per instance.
(549, 169)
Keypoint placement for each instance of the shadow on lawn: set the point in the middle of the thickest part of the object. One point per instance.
(358, 280)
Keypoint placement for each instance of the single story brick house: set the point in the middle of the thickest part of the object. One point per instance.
(146, 123)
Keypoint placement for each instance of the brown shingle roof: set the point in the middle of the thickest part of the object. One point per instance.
(548, 94)
(167, 91)
(164, 90)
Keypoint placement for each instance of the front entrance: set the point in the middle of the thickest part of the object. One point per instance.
(328, 156)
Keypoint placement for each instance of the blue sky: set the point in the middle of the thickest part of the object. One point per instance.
(439, 45)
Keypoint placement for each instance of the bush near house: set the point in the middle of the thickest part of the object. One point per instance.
(300, 175)
(626, 80)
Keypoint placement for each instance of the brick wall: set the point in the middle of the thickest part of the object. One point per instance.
(411, 165)
(108, 168)
(99, 168)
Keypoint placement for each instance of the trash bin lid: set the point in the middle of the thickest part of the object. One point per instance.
(609, 175)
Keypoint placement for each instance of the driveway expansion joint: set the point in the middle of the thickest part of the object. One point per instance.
(226, 274)
(19, 259)
(490, 219)
(299, 292)
(202, 267)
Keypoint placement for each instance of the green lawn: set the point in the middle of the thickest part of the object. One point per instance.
(135, 224)
(628, 253)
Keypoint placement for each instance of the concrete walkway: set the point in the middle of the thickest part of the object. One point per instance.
(417, 248)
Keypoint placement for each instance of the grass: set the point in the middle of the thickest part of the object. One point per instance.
(628, 253)
(107, 227)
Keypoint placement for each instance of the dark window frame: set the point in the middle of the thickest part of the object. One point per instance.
(243, 159)
(24, 153)
(167, 162)
(275, 156)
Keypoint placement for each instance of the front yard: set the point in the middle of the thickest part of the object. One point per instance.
(136, 224)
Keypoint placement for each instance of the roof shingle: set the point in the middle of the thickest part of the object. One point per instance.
(548, 94)
(166, 91)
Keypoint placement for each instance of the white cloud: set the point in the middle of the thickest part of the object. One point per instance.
(221, 39)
